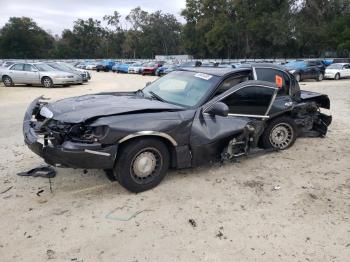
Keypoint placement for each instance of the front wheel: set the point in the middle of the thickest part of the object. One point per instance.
(142, 164)
(7, 81)
(47, 82)
(280, 133)
(319, 77)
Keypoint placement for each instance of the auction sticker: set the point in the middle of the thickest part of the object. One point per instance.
(203, 76)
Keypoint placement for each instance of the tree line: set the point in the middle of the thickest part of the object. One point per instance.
(226, 29)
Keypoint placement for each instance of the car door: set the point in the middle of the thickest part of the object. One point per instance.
(313, 69)
(346, 69)
(248, 102)
(283, 101)
(31, 74)
(16, 73)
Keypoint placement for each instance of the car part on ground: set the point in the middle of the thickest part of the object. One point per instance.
(187, 118)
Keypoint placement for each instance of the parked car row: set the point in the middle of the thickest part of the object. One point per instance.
(317, 69)
(48, 74)
(158, 68)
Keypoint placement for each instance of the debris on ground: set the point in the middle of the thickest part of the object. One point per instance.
(50, 254)
(192, 222)
(275, 188)
(220, 233)
(39, 192)
(45, 171)
(6, 190)
(127, 218)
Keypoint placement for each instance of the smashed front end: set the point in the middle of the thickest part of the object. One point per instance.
(65, 144)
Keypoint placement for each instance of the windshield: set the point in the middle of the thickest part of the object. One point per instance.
(44, 67)
(335, 66)
(60, 67)
(68, 66)
(295, 64)
(181, 87)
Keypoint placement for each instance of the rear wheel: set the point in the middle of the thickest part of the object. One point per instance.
(337, 76)
(280, 133)
(47, 82)
(142, 164)
(7, 81)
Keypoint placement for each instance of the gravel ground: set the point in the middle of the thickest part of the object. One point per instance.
(287, 206)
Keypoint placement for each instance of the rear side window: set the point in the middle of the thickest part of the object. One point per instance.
(28, 68)
(250, 100)
(278, 77)
(17, 67)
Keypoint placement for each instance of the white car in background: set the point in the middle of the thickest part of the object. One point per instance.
(91, 66)
(337, 70)
(135, 68)
(37, 74)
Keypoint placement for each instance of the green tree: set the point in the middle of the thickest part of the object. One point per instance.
(22, 38)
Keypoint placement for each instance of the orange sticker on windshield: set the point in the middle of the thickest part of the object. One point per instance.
(279, 81)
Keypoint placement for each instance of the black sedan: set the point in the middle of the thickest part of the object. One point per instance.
(187, 118)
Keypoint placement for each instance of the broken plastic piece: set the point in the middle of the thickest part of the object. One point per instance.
(42, 171)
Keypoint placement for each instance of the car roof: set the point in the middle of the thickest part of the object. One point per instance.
(221, 71)
(216, 71)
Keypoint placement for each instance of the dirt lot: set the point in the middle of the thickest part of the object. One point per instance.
(287, 206)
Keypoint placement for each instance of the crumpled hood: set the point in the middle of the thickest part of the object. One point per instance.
(82, 108)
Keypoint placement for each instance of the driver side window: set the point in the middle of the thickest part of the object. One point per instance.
(250, 100)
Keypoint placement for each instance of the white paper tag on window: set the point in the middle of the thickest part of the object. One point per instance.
(203, 76)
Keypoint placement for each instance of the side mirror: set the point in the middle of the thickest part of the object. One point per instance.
(148, 83)
(219, 109)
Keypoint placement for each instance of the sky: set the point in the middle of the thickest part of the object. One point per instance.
(56, 15)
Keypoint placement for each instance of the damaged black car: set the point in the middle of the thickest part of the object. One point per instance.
(187, 118)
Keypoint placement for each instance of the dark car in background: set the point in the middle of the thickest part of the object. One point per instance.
(184, 119)
(105, 66)
(302, 69)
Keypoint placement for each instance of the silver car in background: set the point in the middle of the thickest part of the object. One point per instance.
(37, 73)
(61, 66)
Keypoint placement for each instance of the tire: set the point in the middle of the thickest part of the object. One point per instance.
(280, 133)
(47, 82)
(319, 77)
(337, 76)
(298, 77)
(7, 81)
(98, 70)
(142, 164)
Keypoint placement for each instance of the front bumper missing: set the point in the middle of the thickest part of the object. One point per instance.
(68, 154)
